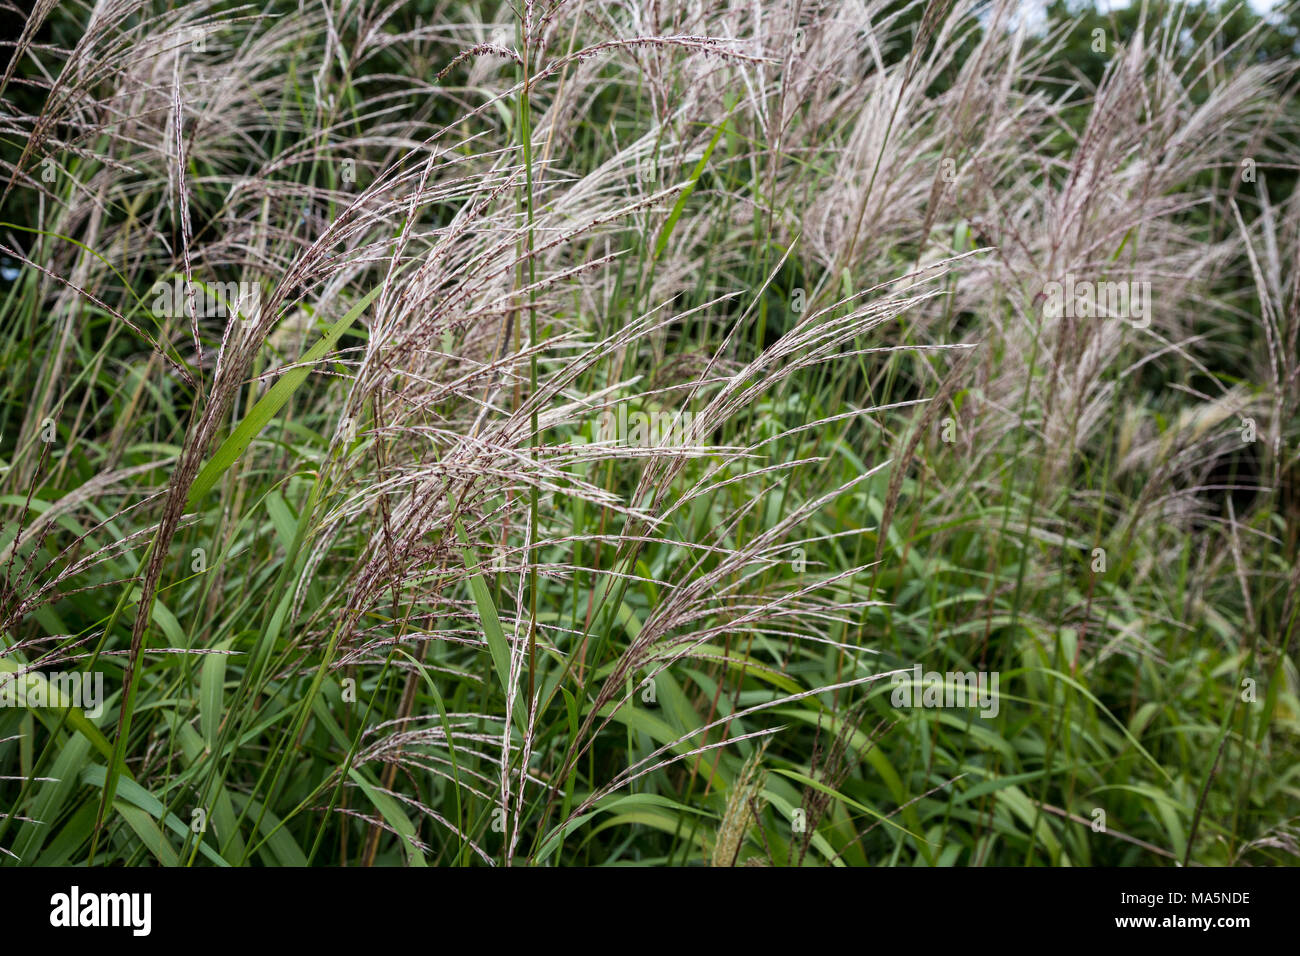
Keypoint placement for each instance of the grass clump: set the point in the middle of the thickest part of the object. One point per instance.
(462, 434)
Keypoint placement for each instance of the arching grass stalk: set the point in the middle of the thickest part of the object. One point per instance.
(526, 137)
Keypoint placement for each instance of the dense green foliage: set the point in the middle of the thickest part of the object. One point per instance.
(585, 415)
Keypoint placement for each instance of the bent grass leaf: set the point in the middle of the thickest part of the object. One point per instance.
(270, 403)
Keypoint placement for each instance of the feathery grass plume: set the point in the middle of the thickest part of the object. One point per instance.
(740, 814)
(491, 436)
